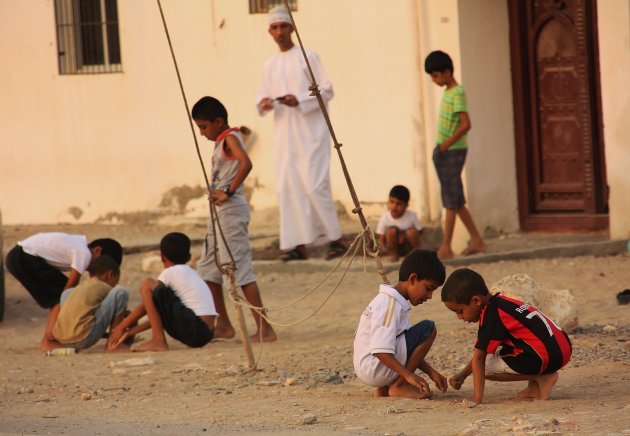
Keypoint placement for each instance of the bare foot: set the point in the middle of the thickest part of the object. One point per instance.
(267, 336)
(150, 345)
(221, 332)
(405, 390)
(546, 383)
(383, 391)
(474, 248)
(445, 253)
(531, 391)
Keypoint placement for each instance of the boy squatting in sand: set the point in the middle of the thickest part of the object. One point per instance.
(387, 351)
(37, 263)
(178, 302)
(90, 308)
(515, 341)
(399, 228)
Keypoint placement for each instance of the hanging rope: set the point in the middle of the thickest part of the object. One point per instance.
(366, 236)
(228, 268)
(314, 88)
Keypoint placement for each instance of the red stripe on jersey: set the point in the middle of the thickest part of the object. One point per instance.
(518, 330)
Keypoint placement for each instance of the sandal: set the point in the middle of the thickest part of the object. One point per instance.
(290, 255)
(335, 249)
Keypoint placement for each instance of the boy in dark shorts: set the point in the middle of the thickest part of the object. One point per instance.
(515, 342)
(178, 301)
(399, 228)
(450, 154)
(39, 262)
(387, 351)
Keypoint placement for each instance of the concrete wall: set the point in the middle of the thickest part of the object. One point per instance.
(118, 142)
(485, 71)
(614, 57)
(476, 35)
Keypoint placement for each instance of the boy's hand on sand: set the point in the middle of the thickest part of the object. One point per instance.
(116, 336)
(440, 381)
(456, 381)
(417, 381)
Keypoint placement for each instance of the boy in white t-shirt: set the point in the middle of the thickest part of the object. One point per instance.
(39, 263)
(179, 302)
(398, 229)
(387, 351)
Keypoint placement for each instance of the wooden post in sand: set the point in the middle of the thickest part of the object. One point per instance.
(241, 324)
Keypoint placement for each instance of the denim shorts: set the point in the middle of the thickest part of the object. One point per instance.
(449, 165)
(418, 334)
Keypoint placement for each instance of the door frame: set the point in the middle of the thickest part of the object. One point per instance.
(519, 48)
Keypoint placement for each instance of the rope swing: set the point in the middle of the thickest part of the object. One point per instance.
(366, 239)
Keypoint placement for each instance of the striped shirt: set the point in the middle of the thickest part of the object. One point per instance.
(530, 343)
(381, 330)
(453, 102)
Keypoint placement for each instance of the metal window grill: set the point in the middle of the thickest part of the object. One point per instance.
(87, 36)
(263, 6)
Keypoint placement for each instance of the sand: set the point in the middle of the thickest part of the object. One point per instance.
(304, 383)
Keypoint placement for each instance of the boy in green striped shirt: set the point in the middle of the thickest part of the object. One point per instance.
(450, 154)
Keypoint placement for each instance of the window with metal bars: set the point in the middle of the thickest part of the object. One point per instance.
(87, 36)
(263, 6)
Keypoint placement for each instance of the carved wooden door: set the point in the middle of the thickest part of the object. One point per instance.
(559, 139)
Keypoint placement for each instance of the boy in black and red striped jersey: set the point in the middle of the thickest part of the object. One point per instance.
(515, 342)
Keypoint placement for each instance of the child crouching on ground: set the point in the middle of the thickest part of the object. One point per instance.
(399, 229)
(90, 308)
(515, 341)
(178, 301)
(387, 351)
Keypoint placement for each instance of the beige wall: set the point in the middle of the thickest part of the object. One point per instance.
(614, 51)
(485, 71)
(117, 142)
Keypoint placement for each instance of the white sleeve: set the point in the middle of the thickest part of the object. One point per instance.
(80, 259)
(416, 222)
(381, 226)
(383, 338)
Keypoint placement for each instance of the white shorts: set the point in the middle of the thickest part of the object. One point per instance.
(496, 365)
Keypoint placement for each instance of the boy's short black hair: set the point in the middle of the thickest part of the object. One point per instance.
(424, 264)
(438, 61)
(102, 265)
(109, 247)
(462, 285)
(209, 109)
(400, 192)
(176, 247)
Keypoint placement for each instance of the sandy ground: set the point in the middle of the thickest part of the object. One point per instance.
(304, 383)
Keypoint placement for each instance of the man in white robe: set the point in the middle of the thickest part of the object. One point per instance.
(302, 154)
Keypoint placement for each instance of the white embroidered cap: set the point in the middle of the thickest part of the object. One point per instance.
(279, 14)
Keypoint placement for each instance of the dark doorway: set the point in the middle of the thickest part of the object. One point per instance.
(557, 108)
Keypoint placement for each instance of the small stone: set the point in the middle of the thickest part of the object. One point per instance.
(308, 419)
(266, 383)
(290, 381)
(85, 396)
(609, 328)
